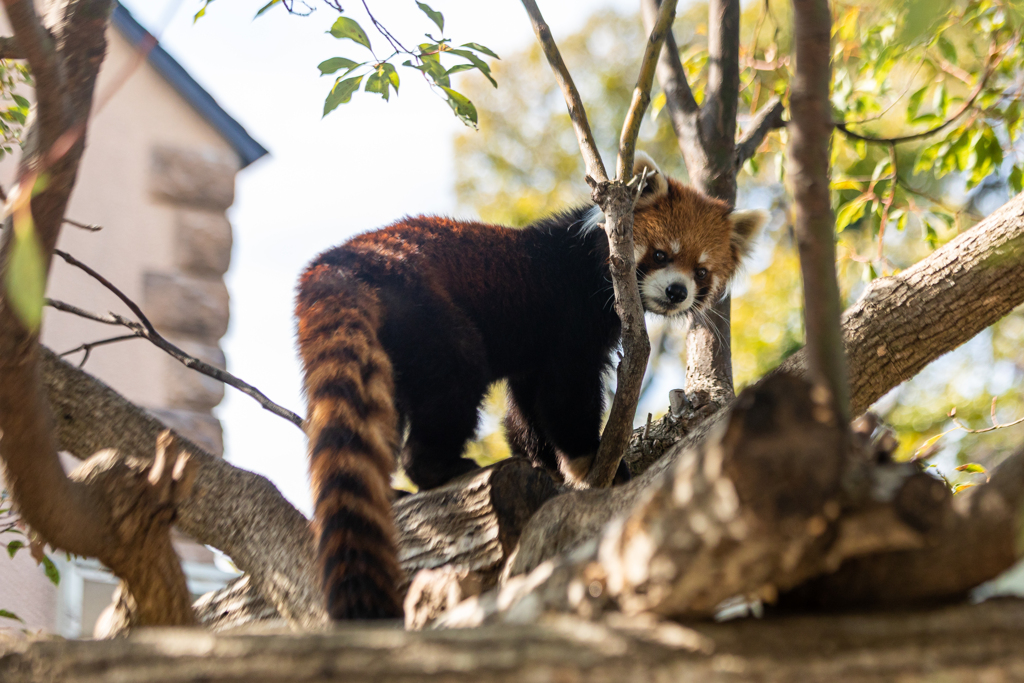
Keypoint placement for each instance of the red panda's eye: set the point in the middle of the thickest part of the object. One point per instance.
(701, 273)
(660, 256)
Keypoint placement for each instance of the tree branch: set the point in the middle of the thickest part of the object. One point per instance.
(578, 115)
(994, 58)
(9, 48)
(642, 92)
(617, 201)
(721, 99)
(769, 118)
(144, 328)
(238, 512)
(810, 131)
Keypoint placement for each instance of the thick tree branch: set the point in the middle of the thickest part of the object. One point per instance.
(144, 329)
(810, 131)
(769, 118)
(578, 115)
(236, 511)
(10, 49)
(37, 44)
(721, 99)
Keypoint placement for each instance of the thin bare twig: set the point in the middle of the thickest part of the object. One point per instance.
(588, 146)
(993, 61)
(144, 328)
(91, 227)
(642, 91)
(766, 120)
(89, 346)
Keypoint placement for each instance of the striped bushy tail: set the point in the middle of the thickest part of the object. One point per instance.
(351, 425)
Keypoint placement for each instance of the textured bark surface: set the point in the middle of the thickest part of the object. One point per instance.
(236, 511)
(472, 523)
(904, 322)
(810, 131)
(900, 325)
(967, 642)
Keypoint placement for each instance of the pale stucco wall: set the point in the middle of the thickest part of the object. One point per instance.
(135, 112)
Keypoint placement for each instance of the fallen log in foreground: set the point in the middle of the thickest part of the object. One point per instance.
(965, 642)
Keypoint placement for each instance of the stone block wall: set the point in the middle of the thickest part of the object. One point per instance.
(190, 304)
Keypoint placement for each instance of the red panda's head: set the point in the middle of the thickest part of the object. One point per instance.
(688, 245)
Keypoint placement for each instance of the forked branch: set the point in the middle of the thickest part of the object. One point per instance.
(145, 329)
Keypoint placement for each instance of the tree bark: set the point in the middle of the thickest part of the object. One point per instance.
(236, 511)
(808, 158)
(965, 642)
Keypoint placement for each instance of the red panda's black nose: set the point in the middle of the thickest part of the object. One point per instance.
(676, 292)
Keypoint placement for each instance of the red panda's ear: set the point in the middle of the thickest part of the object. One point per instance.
(656, 185)
(745, 227)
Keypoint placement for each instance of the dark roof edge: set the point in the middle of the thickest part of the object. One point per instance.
(231, 130)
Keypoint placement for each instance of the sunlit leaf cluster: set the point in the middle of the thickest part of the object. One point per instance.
(13, 106)
(376, 70)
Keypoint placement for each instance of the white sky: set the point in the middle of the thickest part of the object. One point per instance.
(361, 167)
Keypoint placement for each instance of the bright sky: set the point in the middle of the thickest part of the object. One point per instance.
(361, 167)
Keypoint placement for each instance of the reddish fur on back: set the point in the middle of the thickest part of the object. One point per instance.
(352, 427)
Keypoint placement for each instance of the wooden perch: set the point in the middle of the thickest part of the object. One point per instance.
(966, 642)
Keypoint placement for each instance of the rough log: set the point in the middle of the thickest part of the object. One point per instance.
(966, 642)
(900, 325)
(779, 495)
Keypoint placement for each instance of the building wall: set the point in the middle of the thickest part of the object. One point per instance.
(158, 179)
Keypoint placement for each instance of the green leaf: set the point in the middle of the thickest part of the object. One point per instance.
(329, 66)
(26, 276)
(851, 212)
(341, 93)
(51, 570)
(947, 49)
(459, 67)
(382, 79)
(972, 468)
(10, 615)
(435, 16)
(480, 48)
(202, 11)
(13, 547)
(266, 7)
(462, 107)
(22, 102)
(915, 102)
(1017, 179)
(349, 28)
(478, 63)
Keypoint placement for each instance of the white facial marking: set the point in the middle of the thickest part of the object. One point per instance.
(703, 257)
(638, 251)
(676, 246)
(655, 296)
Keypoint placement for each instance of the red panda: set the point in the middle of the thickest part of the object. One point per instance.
(404, 328)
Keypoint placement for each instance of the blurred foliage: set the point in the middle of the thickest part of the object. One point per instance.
(900, 69)
(437, 59)
(13, 106)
